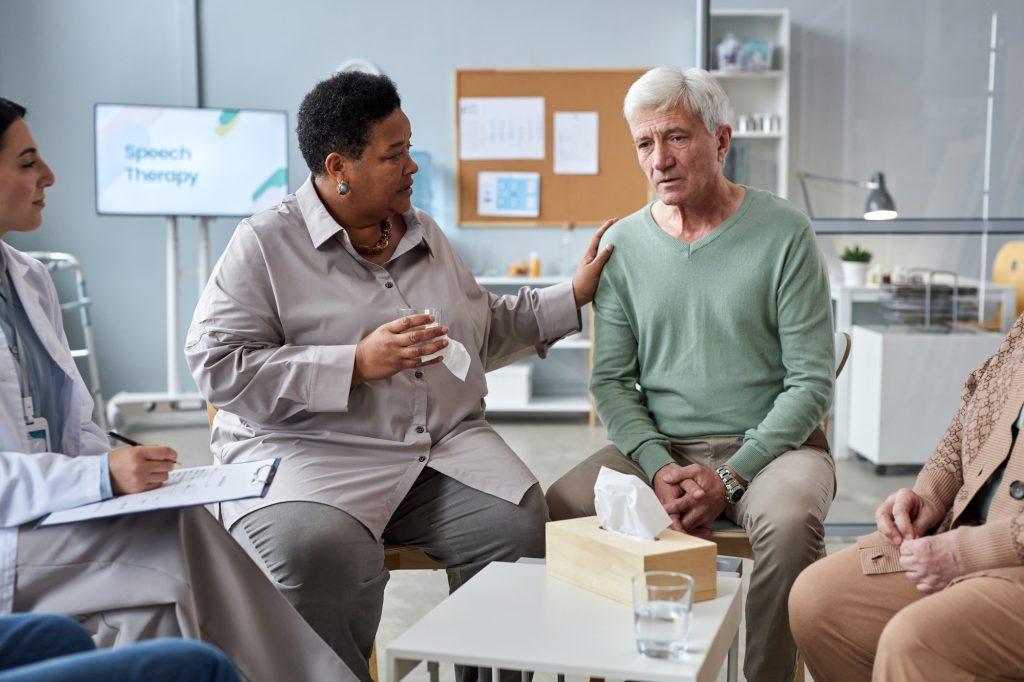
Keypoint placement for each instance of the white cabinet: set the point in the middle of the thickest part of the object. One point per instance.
(905, 388)
(759, 157)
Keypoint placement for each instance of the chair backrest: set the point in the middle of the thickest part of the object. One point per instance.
(843, 346)
(1008, 268)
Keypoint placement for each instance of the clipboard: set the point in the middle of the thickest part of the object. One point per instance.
(190, 487)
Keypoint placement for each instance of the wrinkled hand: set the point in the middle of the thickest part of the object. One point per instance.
(696, 511)
(588, 272)
(905, 515)
(391, 348)
(136, 469)
(931, 562)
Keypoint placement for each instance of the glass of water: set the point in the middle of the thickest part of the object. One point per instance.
(422, 310)
(662, 606)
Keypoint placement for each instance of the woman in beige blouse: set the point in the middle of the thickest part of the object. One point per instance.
(938, 592)
(297, 341)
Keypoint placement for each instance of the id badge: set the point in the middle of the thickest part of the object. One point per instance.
(38, 435)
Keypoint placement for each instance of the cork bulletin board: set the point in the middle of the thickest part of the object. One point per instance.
(619, 187)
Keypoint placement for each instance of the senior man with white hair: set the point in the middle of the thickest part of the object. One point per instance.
(717, 306)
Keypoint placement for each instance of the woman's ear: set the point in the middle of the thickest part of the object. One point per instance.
(335, 166)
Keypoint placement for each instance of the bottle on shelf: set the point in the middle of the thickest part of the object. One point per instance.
(534, 264)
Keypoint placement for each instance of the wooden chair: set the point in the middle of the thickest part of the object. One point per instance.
(395, 558)
(1008, 268)
(733, 540)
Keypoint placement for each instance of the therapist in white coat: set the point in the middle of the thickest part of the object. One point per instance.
(172, 573)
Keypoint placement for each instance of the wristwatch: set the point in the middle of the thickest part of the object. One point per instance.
(733, 489)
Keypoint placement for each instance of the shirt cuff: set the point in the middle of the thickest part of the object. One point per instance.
(106, 486)
(557, 314)
(331, 379)
(749, 460)
(651, 457)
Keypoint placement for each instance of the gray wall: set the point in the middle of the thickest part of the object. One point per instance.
(901, 87)
(61, 56)
(58, 58)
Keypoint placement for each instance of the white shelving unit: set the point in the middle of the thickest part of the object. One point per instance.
(569, 356)
(760, 159)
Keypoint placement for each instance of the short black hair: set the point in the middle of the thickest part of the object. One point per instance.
(9, 113)
(337, 114)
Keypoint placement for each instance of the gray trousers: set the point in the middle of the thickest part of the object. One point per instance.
(331, 568)
(783, 510)
(169, 574)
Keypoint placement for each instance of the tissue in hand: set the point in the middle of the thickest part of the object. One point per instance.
(456, 357)
(626, 505)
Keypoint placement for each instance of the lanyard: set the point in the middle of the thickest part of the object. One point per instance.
(26, 395)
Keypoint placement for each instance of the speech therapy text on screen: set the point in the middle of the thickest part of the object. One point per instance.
(140, 155)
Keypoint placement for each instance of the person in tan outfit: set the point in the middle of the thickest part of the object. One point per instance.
(937, 593)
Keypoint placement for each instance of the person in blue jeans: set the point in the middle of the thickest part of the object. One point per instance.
(36, 647)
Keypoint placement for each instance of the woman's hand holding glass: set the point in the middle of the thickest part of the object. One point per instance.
(138, 468)
(397, 346)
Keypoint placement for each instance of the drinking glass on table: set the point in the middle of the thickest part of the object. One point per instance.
(662, 607)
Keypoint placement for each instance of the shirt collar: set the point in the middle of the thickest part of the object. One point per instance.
(322, 226)
(319, 222)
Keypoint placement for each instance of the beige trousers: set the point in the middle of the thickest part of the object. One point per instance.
(852, 626)
(783, 511)
(169, 574)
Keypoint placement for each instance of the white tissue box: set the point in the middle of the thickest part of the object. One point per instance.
(508, 387)
(579, 551)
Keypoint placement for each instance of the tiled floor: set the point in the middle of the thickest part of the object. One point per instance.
(549, 448)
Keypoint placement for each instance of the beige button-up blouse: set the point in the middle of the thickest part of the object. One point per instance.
(272, 346)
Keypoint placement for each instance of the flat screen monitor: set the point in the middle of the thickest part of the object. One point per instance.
(182, 161)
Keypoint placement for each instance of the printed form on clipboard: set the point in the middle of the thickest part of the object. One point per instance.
(189, 487)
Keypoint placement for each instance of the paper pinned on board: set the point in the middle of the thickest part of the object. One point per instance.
(576, 147)
(501, 128)
(508, 194)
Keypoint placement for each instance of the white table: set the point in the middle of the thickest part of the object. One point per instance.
(514, 617)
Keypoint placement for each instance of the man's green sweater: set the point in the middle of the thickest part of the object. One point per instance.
(729, 335)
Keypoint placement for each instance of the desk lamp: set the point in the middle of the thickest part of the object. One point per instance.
(879, 206)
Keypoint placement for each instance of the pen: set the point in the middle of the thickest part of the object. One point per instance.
(128, 441)
(124, 439)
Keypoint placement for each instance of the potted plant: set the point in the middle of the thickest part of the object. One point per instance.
(855, 265)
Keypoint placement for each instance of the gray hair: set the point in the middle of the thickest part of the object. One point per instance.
(666, 87)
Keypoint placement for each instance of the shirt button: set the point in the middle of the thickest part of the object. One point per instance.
(1017, 490)
(420, 429)
(419, 374)
(421, 458)
(388, 285)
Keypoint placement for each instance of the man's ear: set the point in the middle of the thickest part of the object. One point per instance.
(724, 139)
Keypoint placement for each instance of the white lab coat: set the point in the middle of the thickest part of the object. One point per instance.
(32, 485)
